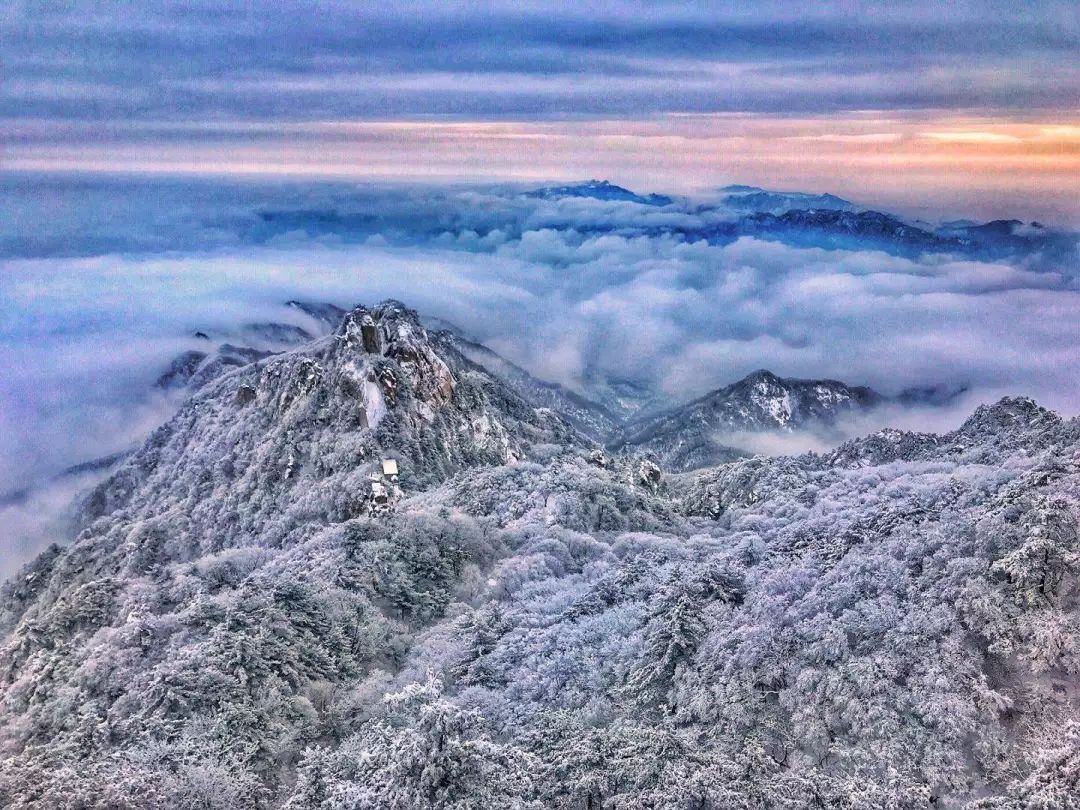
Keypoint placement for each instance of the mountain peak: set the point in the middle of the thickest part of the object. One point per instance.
(320, 418)
(371, 328)
(701, 433)
(759, 375)
(600, 190)
(1007, 414)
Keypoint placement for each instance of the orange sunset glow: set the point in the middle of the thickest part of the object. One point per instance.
(916, 161)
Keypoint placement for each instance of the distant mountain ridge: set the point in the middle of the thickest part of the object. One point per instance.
(838, 229)
(801, 219)
(825, 220)
(600, 190)
(752, 198)
(692, 435)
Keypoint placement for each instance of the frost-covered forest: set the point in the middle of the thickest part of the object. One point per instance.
(255, 615)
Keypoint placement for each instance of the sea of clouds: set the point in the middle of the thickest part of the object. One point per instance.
(102, 282)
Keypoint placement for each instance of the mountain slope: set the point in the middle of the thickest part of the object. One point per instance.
(893, 623)
(591, 418)
(239, 451)
(697, 434)
(253, 549)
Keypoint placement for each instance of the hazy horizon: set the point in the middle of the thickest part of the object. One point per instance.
(935, 169)
(971, 107)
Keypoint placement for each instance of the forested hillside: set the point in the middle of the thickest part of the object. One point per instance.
(256, 612)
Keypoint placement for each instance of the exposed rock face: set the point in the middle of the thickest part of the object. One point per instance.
(649, 474)
(394, 332)
(240, 455)
(245, 394)
(369, 334)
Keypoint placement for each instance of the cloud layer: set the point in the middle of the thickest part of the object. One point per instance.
(580, 291)
(306, 60)
(103, 282)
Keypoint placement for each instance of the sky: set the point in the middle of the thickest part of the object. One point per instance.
(922, 106)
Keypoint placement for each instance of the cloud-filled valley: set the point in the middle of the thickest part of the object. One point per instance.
(577, 290)
(588, 289)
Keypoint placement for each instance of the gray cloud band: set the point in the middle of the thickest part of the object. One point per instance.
(308, 61)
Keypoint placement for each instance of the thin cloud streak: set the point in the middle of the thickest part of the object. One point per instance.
(302, 60)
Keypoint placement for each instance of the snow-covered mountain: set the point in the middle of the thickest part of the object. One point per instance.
(712, 429)
(378, 387)
(591, 418)
(704, 431)
(191, 370)
(600, 190)
(365, 572)
(751, 198)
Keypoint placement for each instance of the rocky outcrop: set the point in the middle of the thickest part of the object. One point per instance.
(291, 439)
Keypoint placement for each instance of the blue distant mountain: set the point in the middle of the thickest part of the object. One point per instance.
(753, 199)
(831, 228)
(1004, 233)
(797, 218)
(1001, 238)
(600, 190)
